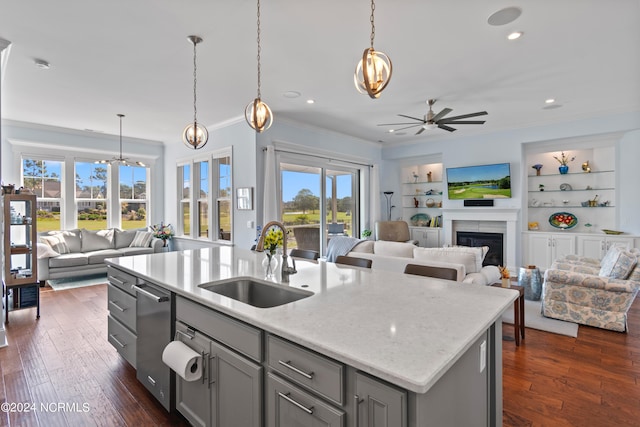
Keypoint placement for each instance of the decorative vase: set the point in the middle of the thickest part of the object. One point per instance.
(506, 282)
(563, 169)
(270, 263)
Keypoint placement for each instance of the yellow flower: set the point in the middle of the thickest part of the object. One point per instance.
(272, 240)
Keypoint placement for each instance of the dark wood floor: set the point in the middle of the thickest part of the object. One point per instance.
(550, 380)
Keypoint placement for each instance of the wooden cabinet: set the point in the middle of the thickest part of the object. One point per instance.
(544, 248)
(20, 275)
(596, 246)
(378, 404)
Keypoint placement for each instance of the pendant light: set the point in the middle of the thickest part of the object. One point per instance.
(257, 113)
(123, 161)
(373, 72)
(194, 135)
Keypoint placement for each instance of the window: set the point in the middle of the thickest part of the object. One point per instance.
(133, 197)
(91, 195)
(44, 178)
(206, 184)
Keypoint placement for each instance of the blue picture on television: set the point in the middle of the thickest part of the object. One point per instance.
(479, 182)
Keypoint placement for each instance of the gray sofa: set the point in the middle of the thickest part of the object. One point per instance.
(81, 252)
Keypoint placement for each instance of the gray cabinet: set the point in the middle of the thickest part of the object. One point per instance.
(378, 404)
(230, 391)
(121, 303)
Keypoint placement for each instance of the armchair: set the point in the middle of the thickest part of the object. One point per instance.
(574, 291)
(394, 231)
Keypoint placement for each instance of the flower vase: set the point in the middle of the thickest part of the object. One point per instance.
(269, 263)
(506, 282)
(563, 169)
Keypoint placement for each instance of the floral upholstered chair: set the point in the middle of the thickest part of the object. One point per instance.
(593, 292)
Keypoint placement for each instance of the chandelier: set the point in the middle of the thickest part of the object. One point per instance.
(123, 161)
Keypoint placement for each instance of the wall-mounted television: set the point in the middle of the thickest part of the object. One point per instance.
(479, 182)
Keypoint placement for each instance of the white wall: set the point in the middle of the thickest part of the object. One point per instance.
(629, 182)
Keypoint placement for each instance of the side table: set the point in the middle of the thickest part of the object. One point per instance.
(518, 311)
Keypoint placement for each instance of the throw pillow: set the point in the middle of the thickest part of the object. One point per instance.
(142, 239)
(56, 242)
(635, 273)
(618, 265)
(399, 249)
(45, 251)
(96, 240)
(123, 238)
(479, 252)
(438, 255)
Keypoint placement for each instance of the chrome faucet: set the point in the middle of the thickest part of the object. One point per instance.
(286, 270)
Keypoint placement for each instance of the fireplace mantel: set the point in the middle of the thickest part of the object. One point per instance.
(508, 216)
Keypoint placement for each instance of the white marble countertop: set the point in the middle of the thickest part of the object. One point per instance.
(408, 330)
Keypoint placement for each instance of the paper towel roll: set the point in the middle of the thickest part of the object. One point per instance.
(183, 360)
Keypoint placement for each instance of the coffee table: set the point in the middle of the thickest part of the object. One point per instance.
(518, 311)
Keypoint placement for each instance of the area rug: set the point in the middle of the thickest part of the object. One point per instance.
(77, 282)
(533, 319)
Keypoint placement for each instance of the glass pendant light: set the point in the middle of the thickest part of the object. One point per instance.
(257, 113)
(195, 135)
(373, 72)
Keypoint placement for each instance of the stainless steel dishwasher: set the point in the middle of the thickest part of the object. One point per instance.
(153, 323)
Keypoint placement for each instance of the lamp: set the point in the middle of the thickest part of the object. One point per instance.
(389, 195)
(373, 72)
(194, 135)
(257, 113)
(121, 160)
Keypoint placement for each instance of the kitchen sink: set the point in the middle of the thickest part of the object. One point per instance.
(256, 293)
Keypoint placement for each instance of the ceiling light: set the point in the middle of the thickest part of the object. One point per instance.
(194, 135)
(549, 101)
(429, 126)
(515, 35)
(391, 130)
(123, 161)
(257, 113)
(310, 101)
(373, 72)
(42, 64)
(504, 16)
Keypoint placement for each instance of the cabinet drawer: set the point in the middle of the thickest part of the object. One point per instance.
(122, 306)
(290, 405)
(233, 333)
(316, 372)
(123, 340)
(121, 279)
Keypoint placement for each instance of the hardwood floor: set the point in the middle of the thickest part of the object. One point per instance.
(550, 380)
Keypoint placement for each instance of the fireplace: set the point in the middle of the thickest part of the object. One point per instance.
(492, 240)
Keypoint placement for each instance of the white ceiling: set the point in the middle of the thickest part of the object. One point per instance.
(133, 57)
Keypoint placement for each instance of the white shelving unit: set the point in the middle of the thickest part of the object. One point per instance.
(422, 188)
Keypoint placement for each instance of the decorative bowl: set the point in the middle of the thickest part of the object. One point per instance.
(615, 232)
(420, 220)
(563, 220)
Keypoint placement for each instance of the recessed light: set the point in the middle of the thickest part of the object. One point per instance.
(310, 101)
(42, 64)
(391, 130)
(504, 16)
(515, 35)
(549, 101)
(291, 94)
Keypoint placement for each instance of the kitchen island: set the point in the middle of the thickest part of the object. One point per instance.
(437, 341)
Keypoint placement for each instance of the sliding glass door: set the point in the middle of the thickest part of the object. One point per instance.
(318, 202)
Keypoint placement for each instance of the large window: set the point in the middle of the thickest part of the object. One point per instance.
(205, 188)
(133, 197)
(44, 178)
(91, 195)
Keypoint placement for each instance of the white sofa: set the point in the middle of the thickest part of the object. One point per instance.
(81, 252)
(394, 256)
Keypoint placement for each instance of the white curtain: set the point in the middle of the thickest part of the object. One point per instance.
(374, 197)
(270, 195)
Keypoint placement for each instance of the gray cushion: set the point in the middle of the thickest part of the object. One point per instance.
(123, 238)
(98, 257)
(68, 260)
(96, 240)
(142, 239)
(135, 251)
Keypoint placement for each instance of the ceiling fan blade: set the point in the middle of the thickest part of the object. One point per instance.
(412, 126)
(397, 124)
(465, 122)
(464, 116)
(445, 127)
(413, 118)
(441, 114)
(420, 131)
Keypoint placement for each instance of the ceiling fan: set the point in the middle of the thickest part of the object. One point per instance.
(432, 121)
